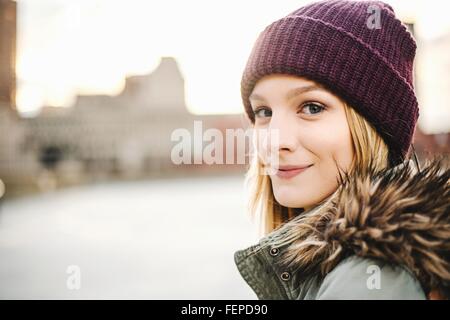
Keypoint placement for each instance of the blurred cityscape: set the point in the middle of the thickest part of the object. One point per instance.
(132, 223)
(100, 137)
(112, 137)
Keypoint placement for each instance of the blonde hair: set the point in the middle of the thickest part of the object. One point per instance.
(368, 146)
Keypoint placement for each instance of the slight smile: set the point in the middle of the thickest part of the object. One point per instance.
(287, 172)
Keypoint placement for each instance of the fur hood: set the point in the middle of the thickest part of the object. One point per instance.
(399, 215)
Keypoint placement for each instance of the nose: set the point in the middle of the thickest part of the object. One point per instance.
(282, 124)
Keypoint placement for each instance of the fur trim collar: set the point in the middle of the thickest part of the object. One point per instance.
(399, 215)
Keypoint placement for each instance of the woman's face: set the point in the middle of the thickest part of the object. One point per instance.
(312, 130)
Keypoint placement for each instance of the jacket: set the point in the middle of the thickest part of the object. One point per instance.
(386, 237)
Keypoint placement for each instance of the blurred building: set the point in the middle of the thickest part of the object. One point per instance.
(102, 137)
(427, 145)
(434, 84)
(8, 53)
(434, 64)
(99, 137)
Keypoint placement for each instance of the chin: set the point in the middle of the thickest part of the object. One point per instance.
(290, 200)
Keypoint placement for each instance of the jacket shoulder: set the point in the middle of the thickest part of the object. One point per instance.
(369, 279)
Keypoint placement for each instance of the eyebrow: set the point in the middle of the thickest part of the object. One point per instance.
(291, 93)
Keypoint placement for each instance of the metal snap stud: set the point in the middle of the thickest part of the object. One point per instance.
(274, 251)
(285, 276)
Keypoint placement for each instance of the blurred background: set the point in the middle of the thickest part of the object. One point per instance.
(91, 205)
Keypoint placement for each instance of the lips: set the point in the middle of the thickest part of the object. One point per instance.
(289, 171)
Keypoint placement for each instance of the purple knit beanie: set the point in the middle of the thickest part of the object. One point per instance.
(336, 44)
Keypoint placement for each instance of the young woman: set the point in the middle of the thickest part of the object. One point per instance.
(347, 213)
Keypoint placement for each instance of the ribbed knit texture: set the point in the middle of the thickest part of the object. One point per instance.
(330, 42)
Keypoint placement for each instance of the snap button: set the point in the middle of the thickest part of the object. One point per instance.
(285, 276)
(274, 251)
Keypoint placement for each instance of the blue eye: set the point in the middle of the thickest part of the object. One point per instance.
(314, 107)
(259, 112)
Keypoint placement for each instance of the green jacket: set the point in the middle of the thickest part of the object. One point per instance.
(350, 279)
(400, 250)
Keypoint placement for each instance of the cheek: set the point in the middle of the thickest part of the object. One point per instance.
(327, 143)
(330, 140)
(343, 151)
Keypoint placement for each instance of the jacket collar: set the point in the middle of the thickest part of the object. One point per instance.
(399, 215)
